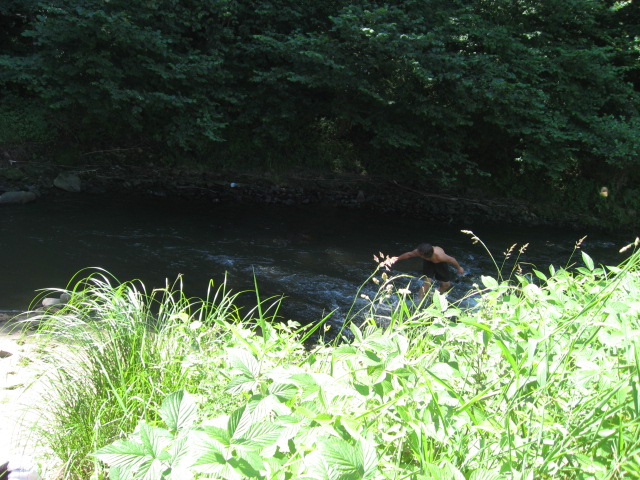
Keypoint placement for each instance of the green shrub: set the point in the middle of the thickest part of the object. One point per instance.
(23, 122)
(539, 381)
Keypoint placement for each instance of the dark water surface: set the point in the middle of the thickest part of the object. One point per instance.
(317, 257)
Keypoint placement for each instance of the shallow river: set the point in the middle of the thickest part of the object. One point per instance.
(316, 257)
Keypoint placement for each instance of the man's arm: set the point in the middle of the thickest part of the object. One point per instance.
(453, 262)
(404, 256)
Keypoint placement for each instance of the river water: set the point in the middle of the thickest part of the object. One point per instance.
(317, 257)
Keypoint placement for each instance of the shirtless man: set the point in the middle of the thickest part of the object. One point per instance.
(434, 265)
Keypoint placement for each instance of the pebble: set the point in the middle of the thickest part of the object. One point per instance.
(20, 468)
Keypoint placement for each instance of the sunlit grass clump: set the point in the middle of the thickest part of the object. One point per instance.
(539, 380)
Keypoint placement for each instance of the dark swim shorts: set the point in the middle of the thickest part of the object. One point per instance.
(438, 270)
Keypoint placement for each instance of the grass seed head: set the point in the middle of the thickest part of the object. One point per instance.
(472, 235)
(579, 242)
(635, 243)
(507, 254)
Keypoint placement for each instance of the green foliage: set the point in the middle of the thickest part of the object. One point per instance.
(125, 71)
(473, 87)
(502, 95)
(116, 352)
(24, 122)
(540, 380)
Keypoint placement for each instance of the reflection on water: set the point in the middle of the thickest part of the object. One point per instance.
(316, 257)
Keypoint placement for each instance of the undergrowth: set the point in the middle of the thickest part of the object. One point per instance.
(539, 378)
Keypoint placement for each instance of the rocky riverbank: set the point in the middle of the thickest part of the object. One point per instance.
(24, 183)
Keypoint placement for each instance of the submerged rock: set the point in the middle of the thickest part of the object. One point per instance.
(17, 197)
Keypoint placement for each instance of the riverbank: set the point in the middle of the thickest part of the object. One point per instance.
(404, 197)
(19, 391)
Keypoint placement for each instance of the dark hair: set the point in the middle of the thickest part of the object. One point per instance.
(425, 249)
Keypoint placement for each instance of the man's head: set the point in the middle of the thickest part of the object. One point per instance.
(425, 250)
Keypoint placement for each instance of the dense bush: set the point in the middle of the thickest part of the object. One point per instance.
(522, 91)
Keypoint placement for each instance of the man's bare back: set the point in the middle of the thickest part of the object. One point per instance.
(430, 255)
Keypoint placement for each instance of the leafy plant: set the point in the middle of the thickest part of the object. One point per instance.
(539, 380)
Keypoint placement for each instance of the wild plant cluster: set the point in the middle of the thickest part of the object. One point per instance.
(539, 380)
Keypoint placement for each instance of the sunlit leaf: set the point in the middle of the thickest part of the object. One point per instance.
(489, 282)
(483, 474)
(260, 435)
(587, 260)
(244, 361)
(179, 410)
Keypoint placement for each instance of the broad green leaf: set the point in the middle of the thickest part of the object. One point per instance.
(133, 460)
(345, 351)
(533, 292)
(369, 458)
(587, 261)
(155, 441)
(242, 383)
(260, 435)
(123, 454)
(308, 384)
(210, 459)
(489, 282)
(218, 434)
(181, 456)
(118, 473)
(262, 407)
(180, 473)
(219, 469)
(244, 361)
(540, 275)
(440, 301)
(179, 411)
(617, 307)
(446, 472)
(483, 474)
(316, 467)
(248, 462)
(151, 470)
(239, 422)
(346, 461)
(384, 387)
(284, 391)
(274, 469)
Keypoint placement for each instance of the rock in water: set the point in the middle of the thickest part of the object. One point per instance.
(69, 182)
(17, 197)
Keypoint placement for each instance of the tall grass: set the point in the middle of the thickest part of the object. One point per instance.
(116, 351)
(540, 380)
